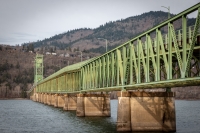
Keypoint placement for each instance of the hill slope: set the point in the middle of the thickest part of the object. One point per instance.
(116, 32)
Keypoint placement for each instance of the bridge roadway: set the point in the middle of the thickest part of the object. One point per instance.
(150, 60)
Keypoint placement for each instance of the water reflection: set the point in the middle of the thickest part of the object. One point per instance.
(28, 116)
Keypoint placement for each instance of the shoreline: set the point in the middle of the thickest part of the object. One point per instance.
(14, 98)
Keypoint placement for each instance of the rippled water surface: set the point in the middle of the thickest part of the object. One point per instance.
(27, 116)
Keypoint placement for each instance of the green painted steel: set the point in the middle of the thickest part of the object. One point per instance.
(150, 60)
(38, 68)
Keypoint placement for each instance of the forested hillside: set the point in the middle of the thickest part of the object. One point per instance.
(116, 32)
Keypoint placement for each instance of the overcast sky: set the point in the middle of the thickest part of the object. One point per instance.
(31, 20)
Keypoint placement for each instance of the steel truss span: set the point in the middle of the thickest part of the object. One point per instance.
(158, 58)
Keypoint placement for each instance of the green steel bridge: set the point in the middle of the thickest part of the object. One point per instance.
(151, 60)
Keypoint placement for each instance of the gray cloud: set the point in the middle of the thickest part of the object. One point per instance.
(32, 20)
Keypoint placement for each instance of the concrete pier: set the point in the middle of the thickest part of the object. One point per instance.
(48, 99)
(65, 107)
(72, 100)
(39, 97)
(123, 112)
(52, 99)
(45, 98)
(80, 111)
(146, 111)
(61, 101)
(93, 105)
(42, 98)
(34, 97)
(56, 100)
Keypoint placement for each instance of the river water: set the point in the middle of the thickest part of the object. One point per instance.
(24, 116)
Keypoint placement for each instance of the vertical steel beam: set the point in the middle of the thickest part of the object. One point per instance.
(157, 55)
(131, 62)
(80, 81)
(93, 74)
(108, 70)
(87, 77)
(196, 28)
(119, 68)
(169, 72)
(90, 74)
(100, 73)
(124, 60)
(112, 69)
(103, 71)
(184, 44)
(147, 57)
(83, 77)
(138, 56)
(143, 61)
(164, 53)
(178, 55)
(117, 65)
(135, 59)
(96, 74)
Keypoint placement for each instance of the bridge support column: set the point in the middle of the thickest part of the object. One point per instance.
(93, 105)
(49, 99)
(45, 98)
(61, 101)
(42, 99)
(80, 110)
(34, 97)
(65, 102)
(70, 101)
(148, 111)
(56, 100)
(123, 112)
(37, 97)
(52, 99)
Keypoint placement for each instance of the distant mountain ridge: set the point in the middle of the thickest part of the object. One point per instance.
(116, 32)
